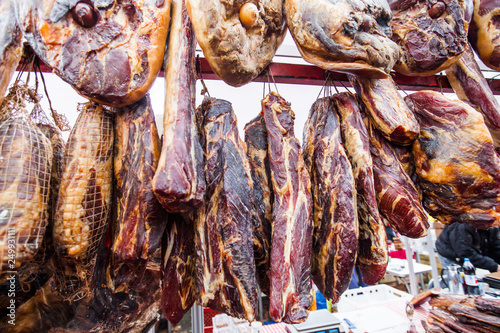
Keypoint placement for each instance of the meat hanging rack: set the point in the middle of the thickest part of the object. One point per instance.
(302, 74)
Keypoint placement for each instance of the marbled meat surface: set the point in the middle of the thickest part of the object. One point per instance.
(225, 267)
(291, 251)
(457, 167)
(335, 217)
(397, 197)
(372, 249)
(258, 157)
(138, 218)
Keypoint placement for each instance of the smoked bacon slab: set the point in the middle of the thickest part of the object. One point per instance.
(291, 251)
(372, 249)
(224, 239)
(335, 218)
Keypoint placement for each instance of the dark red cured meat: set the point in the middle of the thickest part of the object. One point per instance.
(386, 109)
(469, 84)
(179, 278)
(336, 229)
(457, 167)
(431, 34)
(225, 268)
(484, 32)
(258, 156)
(179, 182)
(139, 219)
(114, 61)
(397, 198)
(372, 249)
(291, 251)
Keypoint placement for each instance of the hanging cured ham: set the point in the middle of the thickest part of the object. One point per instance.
(84, 200)
(484, 32)
(238, 38)
(179, 182)
(372, 249)
(25, 170)
(345, 36)
(10, 44)
(225, 266)
(258, 156)
(290, 274)
(469, 84)
(179, 263)
(109, 51)
(456, 164)
(386, 109)
(139, 220)
(335, 239)
(431, 35)
(397, 197)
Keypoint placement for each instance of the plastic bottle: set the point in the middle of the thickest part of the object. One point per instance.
(470, 278)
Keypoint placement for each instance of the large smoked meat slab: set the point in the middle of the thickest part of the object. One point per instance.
(469, 84)
(335, 239)
(372, 249)
(345, 36)
(238, 38)
(84, 199)
(386, 109)
(225, 267)
(258, 156)
(25, 169)
(139, 220)
(179, 182)
(457, 167)
(430, 35)
(10, 44)
(179, 264)
(397, 198)
(291, 251)
(484, 32)
(108, 51)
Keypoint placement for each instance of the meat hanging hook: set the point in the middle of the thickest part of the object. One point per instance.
(59, 119)
(272, 77)
(343, 85)
(198, 70)
(490, 80)
(323, 87)
(438, 79)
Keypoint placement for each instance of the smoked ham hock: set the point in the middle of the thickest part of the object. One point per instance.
(238, 38)
(111, 53)
(484, 32)
(179, 182)
(345, 36)
(431, 34)
(469, 84)
(457, 167)
(386, 109)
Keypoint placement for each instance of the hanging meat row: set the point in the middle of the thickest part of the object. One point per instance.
(122, 224)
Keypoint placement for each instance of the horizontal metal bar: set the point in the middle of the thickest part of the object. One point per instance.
(312, 75)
